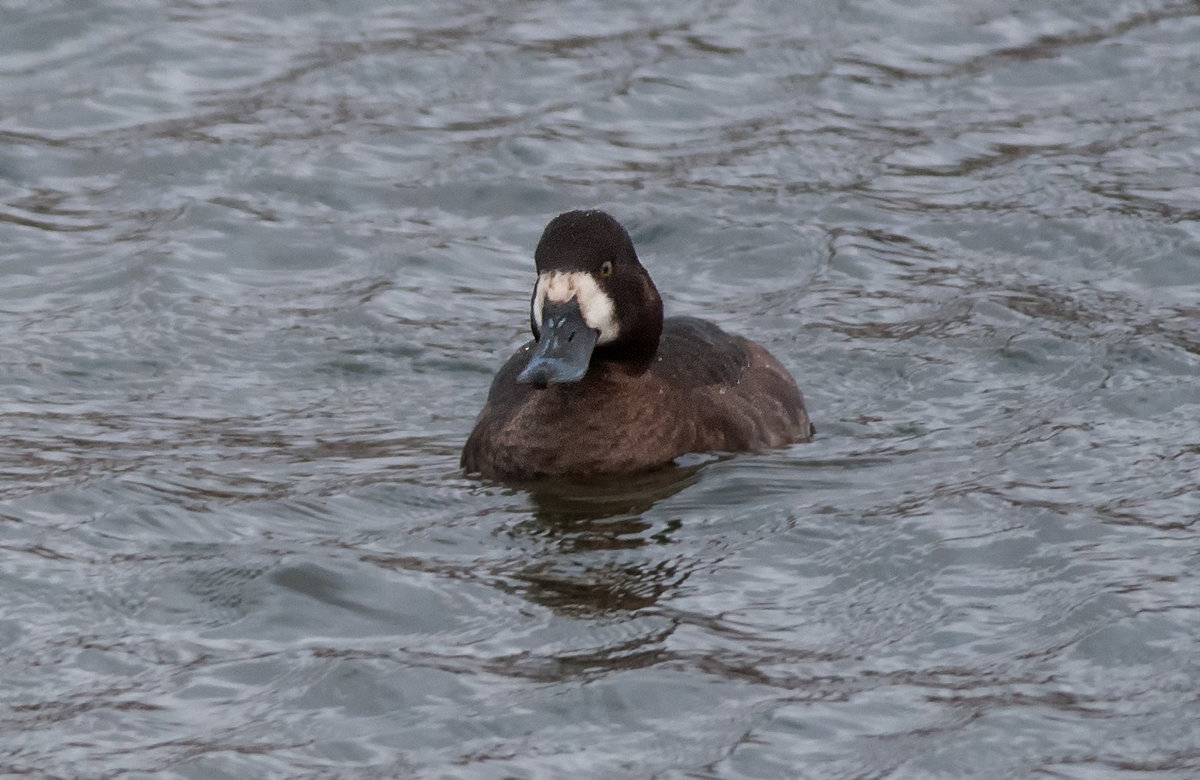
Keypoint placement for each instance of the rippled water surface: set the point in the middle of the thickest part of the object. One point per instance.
(260, 260)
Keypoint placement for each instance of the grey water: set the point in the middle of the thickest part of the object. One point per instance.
(259, 261)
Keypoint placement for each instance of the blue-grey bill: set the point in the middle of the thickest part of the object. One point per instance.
(564, 346)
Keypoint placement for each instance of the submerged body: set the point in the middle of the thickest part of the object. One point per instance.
(609, 387)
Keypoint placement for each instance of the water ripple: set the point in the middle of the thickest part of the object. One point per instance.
(261, 261)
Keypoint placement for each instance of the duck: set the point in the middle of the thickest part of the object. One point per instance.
(608, 386)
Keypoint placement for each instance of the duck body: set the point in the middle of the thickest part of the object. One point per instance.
(608, 386)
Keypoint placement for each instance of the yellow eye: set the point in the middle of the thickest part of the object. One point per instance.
(606, 269)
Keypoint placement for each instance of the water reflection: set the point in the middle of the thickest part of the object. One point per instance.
(563, 505)
(590, 530)
(580, 589)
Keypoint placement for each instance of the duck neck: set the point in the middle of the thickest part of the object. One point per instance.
(640, 333)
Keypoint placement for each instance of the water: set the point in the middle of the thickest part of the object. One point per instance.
(260, 260)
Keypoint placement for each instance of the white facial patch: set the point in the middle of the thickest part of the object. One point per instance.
(594, 304)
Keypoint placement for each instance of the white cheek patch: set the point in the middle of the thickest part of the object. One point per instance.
(594, 304)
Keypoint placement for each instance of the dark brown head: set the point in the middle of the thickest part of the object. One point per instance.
(593, 299)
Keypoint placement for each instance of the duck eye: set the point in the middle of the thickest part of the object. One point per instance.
(606, 269)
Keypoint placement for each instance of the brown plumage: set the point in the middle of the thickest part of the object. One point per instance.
(658, 390)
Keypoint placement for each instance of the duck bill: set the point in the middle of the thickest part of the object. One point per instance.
(564, 346)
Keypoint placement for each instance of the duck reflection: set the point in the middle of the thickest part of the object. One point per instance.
(598, 543)
(608, 506)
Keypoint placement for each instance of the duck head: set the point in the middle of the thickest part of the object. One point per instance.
(593, 300)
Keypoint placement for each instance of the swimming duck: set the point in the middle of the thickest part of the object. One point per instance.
(608, 386)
